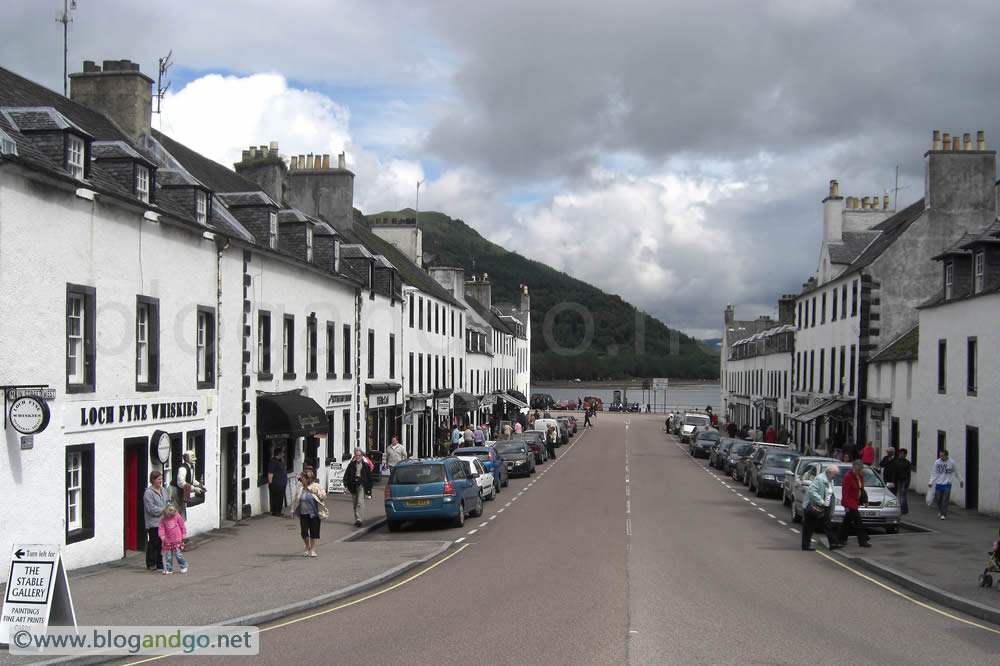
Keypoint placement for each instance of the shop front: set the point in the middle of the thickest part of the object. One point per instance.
(384, 414)
(824, 423)
(338, 418)
(294, 422)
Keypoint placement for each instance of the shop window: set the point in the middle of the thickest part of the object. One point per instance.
(147, 344)
(195, 443)
(346, 430)
(331, 433)
(288, 347)
(79, 467)
(205, 342)
(264, 344)
(81, 337)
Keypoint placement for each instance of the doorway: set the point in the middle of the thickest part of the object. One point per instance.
(228, 504)
(971, 468)
(134, 520)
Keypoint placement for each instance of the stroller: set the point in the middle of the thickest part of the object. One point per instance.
(992, 566)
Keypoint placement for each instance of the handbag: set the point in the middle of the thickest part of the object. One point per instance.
(815, 511)
(863, 497)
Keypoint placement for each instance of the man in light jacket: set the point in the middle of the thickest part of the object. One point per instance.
(820, 493)
(941, 475)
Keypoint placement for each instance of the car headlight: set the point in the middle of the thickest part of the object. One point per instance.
(768, 477)
(891, 502)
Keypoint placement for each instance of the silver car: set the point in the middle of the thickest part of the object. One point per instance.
(794, 478)
(882, 509)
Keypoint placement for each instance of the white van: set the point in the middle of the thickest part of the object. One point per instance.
(692, 421)
(543, 425)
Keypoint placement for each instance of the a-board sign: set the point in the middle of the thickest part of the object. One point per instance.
(37, 593)
(335, 478)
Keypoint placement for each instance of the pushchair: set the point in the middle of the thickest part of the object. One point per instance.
(992, 566)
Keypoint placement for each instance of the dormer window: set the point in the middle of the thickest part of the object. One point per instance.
(201, 206)
(309, 243)
(74, 155)
(272, 231)
(980, 270)
(949, 280)
(142, 183)
(336, 260)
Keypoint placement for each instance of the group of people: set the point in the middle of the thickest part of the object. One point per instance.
(165, 515)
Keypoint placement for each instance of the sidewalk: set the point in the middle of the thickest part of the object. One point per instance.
(942, 564)
(249, 573)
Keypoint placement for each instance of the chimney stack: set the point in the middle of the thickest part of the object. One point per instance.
(273, 150)
(967, 141)
(885, 201)
(120, 91)
(833, 214)
(834, 188)
(293, 162)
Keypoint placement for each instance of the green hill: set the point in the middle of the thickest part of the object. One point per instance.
(563, 352)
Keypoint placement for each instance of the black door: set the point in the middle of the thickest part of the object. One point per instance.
(230, 451)
(971, 468)
(894, 433)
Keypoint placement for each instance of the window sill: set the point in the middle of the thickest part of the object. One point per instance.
(264, 376)
(312, 375)
(972, 393)
(210, 384)
(146, 387)
(79, 388)
(288, 375)
(331, 375)
(79, 535)
(348, 375)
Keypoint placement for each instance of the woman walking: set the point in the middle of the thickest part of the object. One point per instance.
(309, 507)
(153, 501)
(817, 506)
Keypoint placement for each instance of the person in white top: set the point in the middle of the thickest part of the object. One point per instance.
(941, 474)
(395, 454)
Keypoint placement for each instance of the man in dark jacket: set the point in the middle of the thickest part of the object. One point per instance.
(358, 482)
(277, 480)
(902, 469)
(851, 499)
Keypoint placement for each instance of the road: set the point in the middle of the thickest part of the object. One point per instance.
(627, 551)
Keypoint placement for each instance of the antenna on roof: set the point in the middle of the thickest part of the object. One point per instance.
(896, 189)
(66, 19)
(161, 90)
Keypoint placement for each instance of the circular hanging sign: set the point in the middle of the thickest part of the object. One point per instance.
(160, 446)
(28, 414)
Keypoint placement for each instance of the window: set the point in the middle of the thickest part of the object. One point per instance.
(420, 373)
(812, 368)
(205, 342)
(854, 298)
(347, 351)
(272, 230)
(288, 347)
(452, 322)
(822, 312)
(371, 354)
(309, 243)
(410, 374)
(833, 367)
(392, 356)
(331, 349)
(459, 326)
(799, 318)
(840, 385)
(812, 321)
(147, 344)
(79, 492)
(942, 441)
(942, 366)
(311, 351)
(843, 301)
(833, 304)
(850, 389)
(80, 338)
(346, 429)
(201, 206)
(411, 310)
(461, 377)
(264, 343)
(420, 317)
(142, 182)
(75, 156)
(437, 318)
(971, 367)
(949, 279)
(979, 271)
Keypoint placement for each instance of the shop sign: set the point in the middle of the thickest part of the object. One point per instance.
(878, 413)
(335, 478)
(376, 400)
(443, 404)
(42, 393)
(28, 414)
(87, 416)
(338, 399)
(37, 591)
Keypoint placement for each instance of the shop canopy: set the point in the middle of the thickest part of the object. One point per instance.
(465, 402)
(382, 387)
(289, 415)
(514, 393)
(510, 399)
(820, 410)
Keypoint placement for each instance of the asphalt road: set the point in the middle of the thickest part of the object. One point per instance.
(627, 551)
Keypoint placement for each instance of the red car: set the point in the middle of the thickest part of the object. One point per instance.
(572, 423)
(565, 404)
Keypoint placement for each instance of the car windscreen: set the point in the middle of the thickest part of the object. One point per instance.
(510, 447)
(741, 449)
(726, 444)
(709, 434)
(782, 460)
(412, 475)
(696, 420)
(483, 457)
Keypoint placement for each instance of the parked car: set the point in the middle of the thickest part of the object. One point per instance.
(883, 506)
(767, 475)
(753, 460)
(431, 489)
(572, 423)
(543, 426)
(740, 450)
(491, 461)
(794, 478)
(517, 456)
(563, 430)
(689, 422)
(565, 404)
(590, 401)
(702, 443)
(488, 486)
(718, 453)
(535, 439)
(541, 401)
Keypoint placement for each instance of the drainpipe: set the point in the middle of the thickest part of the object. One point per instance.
(357, 367)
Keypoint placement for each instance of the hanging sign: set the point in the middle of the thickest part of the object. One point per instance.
(37, 591)
(28, 414)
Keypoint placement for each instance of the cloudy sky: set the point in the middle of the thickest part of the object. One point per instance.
(675, 153)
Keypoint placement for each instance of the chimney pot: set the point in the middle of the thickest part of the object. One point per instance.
(885, 201)
(980, 140)
(246, 155)
(834, 188)
(955, 143)
(110, 66)
(967, 141)
(274, 147)
(946, 141)
(253, 152)
(293, 162)
(302, 161)
(341, 161)
(865, 203)
(486, 277)
(326, 160)
(90, 66)
(936, 144)
(309, 161)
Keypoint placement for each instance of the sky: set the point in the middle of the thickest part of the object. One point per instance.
(674, 153)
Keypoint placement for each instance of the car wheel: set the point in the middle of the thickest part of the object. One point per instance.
(760, 492)
(496, 489)
(796, 518)
(784, 497)
(459, 520)
(478, 509)
(393, 525)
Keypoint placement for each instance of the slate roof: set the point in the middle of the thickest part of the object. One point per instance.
(890, 229)
(904, 348)
(112, 150)
(990, 235)
(851, 247)
(488, 315)
(958, 247)
(40, 119)
(215, 176)
(743, 329)
(259, 198)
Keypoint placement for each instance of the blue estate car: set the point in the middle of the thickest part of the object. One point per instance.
(431, 489)
(490, 459)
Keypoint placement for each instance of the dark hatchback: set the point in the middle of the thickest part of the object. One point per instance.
(737, 454)
(490, 459)
(536, 440)
(717, 456)
(701, 445)
(767, 476)
(517, 456)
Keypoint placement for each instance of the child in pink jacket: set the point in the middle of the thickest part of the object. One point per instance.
(172, 532)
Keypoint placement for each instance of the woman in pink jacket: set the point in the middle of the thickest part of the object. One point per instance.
(172, 532)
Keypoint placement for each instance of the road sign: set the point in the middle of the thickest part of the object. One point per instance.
(37, 590)
(42, 393)
(660, 383)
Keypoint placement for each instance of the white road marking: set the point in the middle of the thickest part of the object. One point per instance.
(501, 510)
(491, 518)
(471, 532)
(771, 515)
(753, 503)
(761, 509)
(483, 524)
(794, 530)
(781, 522)
(628, 506)
(460, 540)
(506, 505)
(628, 491)
(628, 527)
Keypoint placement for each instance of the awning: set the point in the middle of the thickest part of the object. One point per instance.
(382, 387)
(289, 415)
(820, 410)
(442, 393)
(514, 393)
(465, 402)
(508, 398)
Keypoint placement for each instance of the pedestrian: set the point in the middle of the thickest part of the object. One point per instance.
(771, 436)
(456, 437)
(888, 467)
(868, 454)
(186, 485)
(783, 435)
(849, 449)
(853, 496)
(469, 438)
(550, 442)
(154, 499)
(518, 429)
(902, 470)
(277, 480)
(395, 454)
(309, 506)
(358, 482)
(942, 472)
(507, 432)
(890, 456)
(732, 429)
(478, 437)
(172, 531)
(579, 402)
(817, 507)
(586, 419)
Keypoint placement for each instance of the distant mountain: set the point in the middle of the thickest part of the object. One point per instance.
(561, 351)
(714, 343)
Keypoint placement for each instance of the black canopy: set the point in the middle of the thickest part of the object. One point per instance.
(514, 393)
(288, 415)
(465, 402)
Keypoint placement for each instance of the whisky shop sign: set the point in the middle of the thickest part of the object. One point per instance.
(87, 416)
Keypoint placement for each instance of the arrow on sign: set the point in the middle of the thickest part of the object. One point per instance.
(19, 553)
